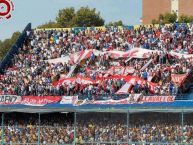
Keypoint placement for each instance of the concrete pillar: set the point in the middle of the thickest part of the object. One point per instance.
(175, 6)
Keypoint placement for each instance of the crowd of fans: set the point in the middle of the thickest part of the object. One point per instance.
(98, 128)
(32, 74)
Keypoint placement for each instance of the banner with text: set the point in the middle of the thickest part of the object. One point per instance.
(10, 99)
(40, 100)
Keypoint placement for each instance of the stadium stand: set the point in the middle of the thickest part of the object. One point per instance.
(122, 85)
(159, 57)
(98, 128)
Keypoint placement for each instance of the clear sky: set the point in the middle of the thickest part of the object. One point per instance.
(40, 11)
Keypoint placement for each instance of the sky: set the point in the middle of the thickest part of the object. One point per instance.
(40, 11)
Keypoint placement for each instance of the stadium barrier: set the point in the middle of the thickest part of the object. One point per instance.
(104, 28)
(78, 29)
(103, 99)
(7, 60)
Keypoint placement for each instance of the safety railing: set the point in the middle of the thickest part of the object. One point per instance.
(98, 128)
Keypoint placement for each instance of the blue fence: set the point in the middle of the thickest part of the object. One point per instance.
(7, 60)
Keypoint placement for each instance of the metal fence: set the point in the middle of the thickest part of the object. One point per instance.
(97, 128)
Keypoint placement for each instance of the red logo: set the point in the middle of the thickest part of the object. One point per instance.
(6, 7)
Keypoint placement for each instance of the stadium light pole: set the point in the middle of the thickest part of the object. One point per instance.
(2, 125)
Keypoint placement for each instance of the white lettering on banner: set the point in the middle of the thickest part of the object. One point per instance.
(111, 102)
(40, 100)
(10, 99)
(69, 100)
(33, 102)
(133, 98)
(146, 99)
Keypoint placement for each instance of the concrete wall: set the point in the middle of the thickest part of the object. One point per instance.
(153, 8)
(186, 7)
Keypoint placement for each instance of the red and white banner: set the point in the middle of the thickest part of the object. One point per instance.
(69, 100)
(84, 54)
(10, 99)
(40, 100)
(73, 80)
(66, 81)
(120, 70)
(133, 80)
(146, 65)
(74, 58)
(133, 53)
(115, 54)
(157, 99)
(179, 55)
(136, 98)
(130, 80)
(72, 68)
(73, 100)
(178, 78)
(59, 60)
(114, 70)
(111, 102)
(140, 81)
(139, 53)
(128, 70)
(124, 89)
(79, 56)
(84, 81)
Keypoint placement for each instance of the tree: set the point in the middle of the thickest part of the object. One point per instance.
(161, 17)
(88, 17)
(154, 21)
(185, 19)
(170, 18)
(7, 44)
(191, 19)
(66, 17)
(166, 18)
(49, 24)
(118, 23)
